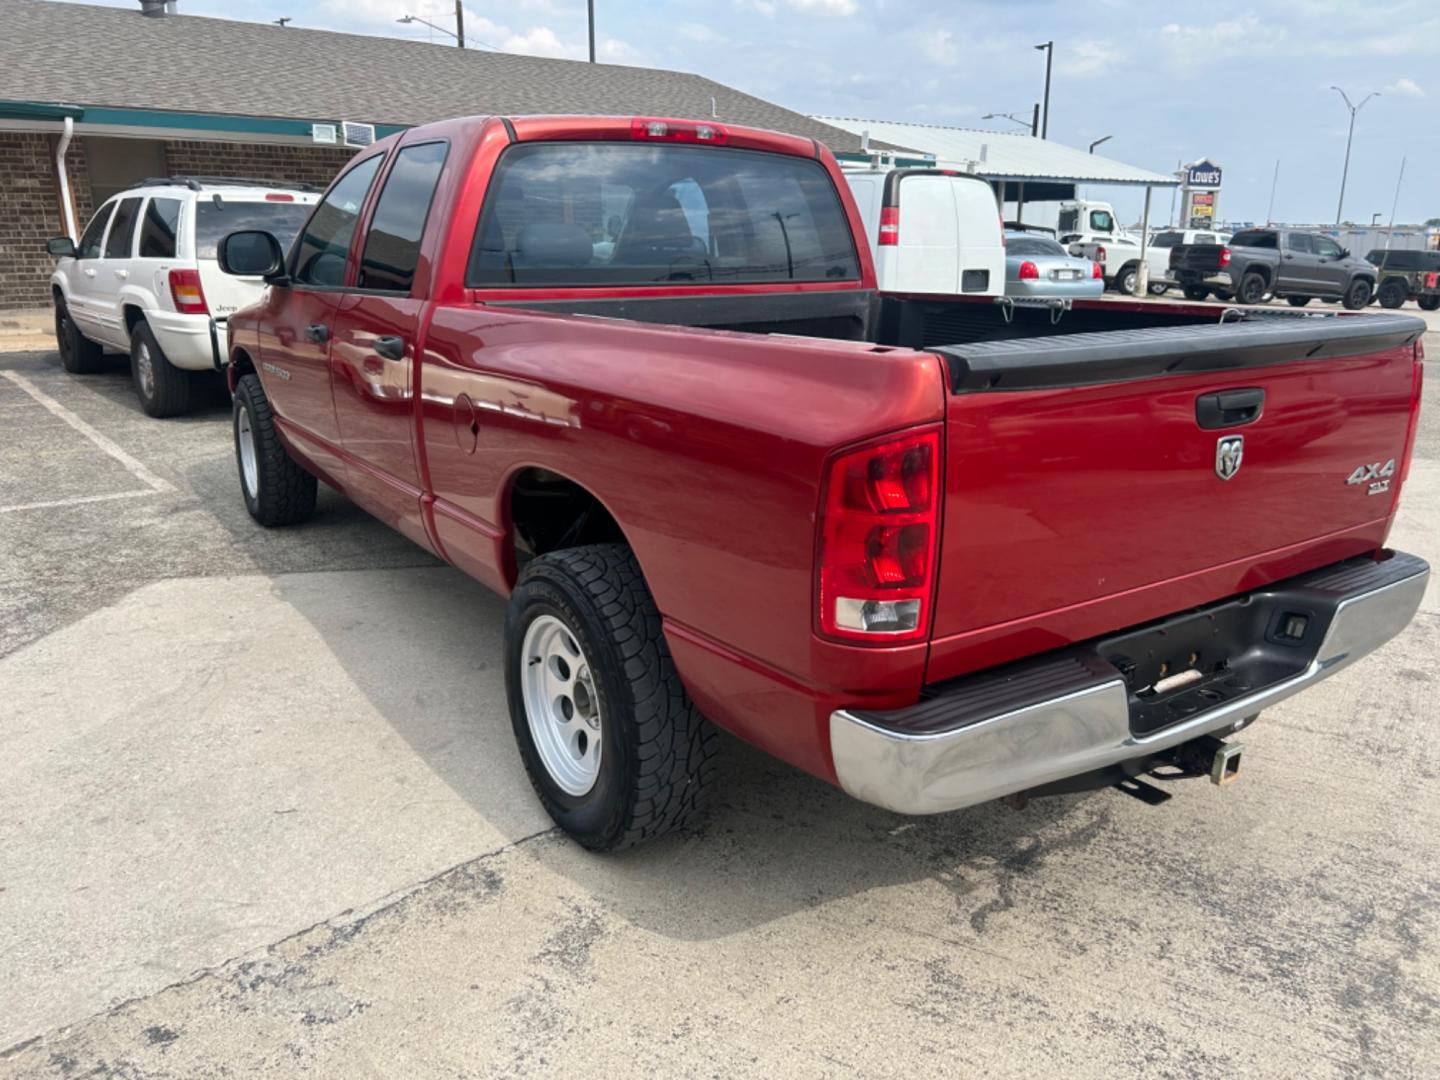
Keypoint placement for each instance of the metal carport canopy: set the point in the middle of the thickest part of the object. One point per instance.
(1006, 156)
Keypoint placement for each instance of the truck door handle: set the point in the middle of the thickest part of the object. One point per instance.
(89, 271)
(122, 273)
(317, 332)
(1229, 408)
(390, 347)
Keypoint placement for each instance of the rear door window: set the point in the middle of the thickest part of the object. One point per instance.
(157, 229)
(94, 235)
(392, 245)
(636, 214)
(122, 229)
(324, 246)
(1257, 239)
(217, 216)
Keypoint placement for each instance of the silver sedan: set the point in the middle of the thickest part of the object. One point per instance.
(1039, 266)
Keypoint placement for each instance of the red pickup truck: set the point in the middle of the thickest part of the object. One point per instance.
(634, 374)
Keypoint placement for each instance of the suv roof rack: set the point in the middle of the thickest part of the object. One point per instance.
(195, 183)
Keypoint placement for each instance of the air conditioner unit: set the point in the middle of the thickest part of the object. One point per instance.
(357, 134)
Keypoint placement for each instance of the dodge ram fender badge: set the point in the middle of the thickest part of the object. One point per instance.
(1376, 475)
(1229, 452)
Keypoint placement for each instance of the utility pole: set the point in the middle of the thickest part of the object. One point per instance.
(1049, 49)
(591, 6)
(1035, 122)
(459, 24)
(1345, 175)
(1274, 180)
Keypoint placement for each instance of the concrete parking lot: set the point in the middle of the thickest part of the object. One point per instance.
(261, 814)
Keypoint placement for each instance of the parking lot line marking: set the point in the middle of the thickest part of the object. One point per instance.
(77, 501)
(132, 466)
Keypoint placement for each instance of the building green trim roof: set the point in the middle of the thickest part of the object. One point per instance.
(181, 122)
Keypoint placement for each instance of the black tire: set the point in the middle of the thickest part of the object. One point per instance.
(1127, 279)
(1429, 303)
(280, 491)
(1251, 290)
(1357, 296)
(1196, 292)
(1297, 301)
(78, 354)
(656, 751)
(1393, 293)
(163, 389)
(1157, 288)
(1223, 296)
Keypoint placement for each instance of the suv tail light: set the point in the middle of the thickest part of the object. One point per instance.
(1224, 256)
(650, 129)
(1097, 271)
(185, 290)
(1029, 271)
(879, 524)
(889, 225)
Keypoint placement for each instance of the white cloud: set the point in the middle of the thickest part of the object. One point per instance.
(843, 8)
(939, 46)
(1087, 59)
(614, 51)
(1405, 88)
(760, 7)
(698, 33)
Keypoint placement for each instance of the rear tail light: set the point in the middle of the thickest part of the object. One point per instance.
(689, 131)
(185, 290)
(878, 530)
(889, 225)
(1029, 271)
(1100, 253)
(1417, 387)
(1224, 256)
(1097, 271)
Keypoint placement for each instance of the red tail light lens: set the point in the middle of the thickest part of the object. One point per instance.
(185, 290)
(878, 530)
(889, 225)
(1029, 271)
(1097, 271)
(1100, 253)
(278, 196)
(1224, 256)
(651, 129)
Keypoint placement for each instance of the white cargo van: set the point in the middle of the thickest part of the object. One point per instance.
(931, 230)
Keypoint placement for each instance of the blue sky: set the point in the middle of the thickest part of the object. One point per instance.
(1243, 83)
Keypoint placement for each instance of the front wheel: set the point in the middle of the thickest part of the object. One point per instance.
(1157, 288)
(1196, 292)
(1429, 303)
(1393, 293)
(78, 354)
(613, 745)
(1357, 296)
(276, 489)
(1297, 301)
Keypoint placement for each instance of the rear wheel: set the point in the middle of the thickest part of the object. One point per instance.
(1429, 303)
(1297, 301)
(1126, 280)
(1357, 295)
(1251, 290)
(163, 389)
(1393, 293)
(612, 743)
(276, 489)
(1158, 288)
(1195, 292)
(78, 354)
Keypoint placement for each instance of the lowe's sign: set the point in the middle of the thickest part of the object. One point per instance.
(1203, 174)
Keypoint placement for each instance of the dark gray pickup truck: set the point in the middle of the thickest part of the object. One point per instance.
(1258, 263)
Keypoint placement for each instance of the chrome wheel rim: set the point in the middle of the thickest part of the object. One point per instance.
(144, 369)
(1127, 283)
(245, 441)
(561, 706)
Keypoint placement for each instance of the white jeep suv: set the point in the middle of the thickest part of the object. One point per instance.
(144, 278)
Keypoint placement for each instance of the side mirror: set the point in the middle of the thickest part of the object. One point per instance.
(252, 253)
(62, 247)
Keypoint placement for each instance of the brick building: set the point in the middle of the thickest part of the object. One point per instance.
(185, 95)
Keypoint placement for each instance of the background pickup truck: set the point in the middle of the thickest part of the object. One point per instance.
(1257, 263)
(634, 375)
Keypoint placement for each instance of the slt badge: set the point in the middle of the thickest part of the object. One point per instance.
(1376, 475)
(1229, 452)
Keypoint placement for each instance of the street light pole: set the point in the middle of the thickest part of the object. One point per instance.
(1097, 142)
(459, 24)
(1345, 174)
(1049, 49)
(591, 6)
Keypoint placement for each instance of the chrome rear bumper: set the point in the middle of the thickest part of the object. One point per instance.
(1071, 712)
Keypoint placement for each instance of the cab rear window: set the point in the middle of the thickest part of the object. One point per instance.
(581, 214)
(214, 217)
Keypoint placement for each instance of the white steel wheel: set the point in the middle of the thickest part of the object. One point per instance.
(245, 439)
(145, 369)
(561, 706)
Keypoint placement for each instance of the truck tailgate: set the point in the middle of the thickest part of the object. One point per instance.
(1093, 481)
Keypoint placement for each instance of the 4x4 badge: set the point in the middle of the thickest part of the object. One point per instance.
(1229, 452)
